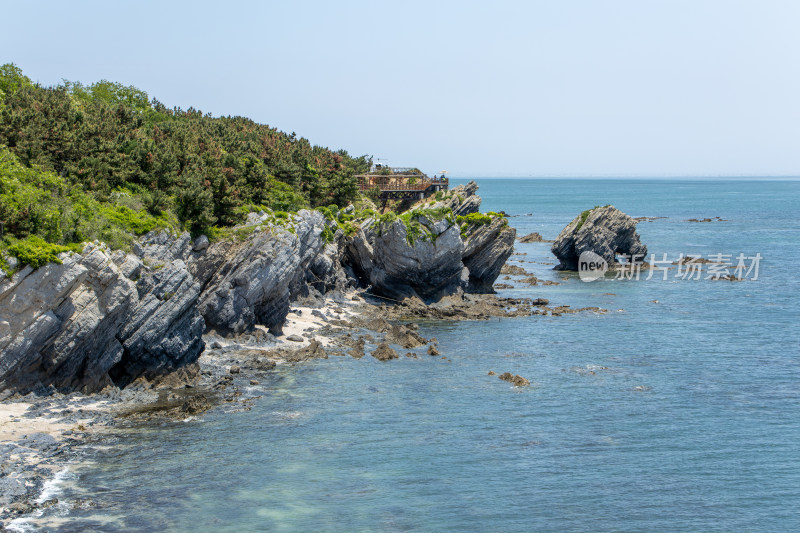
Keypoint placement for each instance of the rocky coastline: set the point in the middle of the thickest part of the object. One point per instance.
(105, 335)
(180, 325)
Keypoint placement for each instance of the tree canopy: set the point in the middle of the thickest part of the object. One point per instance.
(108, 140)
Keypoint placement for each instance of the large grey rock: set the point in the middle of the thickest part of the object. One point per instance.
(160, 247)
(383, 256)
(606, 231)
(442, 263)
(486, 250)
(164, 331)
(68, 325)
(250, 282)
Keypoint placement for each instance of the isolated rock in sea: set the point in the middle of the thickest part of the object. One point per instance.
(532, 237)
(606, 231)
(250, 282)
(486, 250)
(78, 324)
(514, 379)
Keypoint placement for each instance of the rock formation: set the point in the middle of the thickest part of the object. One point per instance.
(533, 237)
(463, 199)
(103, 317)
(383, 256)
(83, 323)
(250, 282)
(606, 231)
(441, 262)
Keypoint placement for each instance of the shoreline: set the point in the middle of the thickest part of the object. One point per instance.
(41, 437)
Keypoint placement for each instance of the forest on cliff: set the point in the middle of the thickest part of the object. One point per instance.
(106, 161)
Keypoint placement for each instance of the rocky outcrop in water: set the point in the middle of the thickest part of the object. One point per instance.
(486, 250)
(606, 231)
(400, 262)
(384, 257)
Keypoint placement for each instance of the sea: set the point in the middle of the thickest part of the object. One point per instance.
(677, 409)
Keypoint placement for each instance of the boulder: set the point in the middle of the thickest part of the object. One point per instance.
(514, 379)
(533, 237)
(384, 352)
(606, 231)
(200, 244)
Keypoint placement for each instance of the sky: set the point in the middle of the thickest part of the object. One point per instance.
(504, 88)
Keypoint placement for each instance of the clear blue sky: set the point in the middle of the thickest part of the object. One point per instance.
(542, 88)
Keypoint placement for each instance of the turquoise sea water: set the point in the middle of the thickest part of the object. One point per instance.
(681, 415)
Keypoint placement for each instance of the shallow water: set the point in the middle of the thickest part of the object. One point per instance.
(676, 415)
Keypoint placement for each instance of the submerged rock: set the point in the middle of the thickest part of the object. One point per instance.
(195, 405)
(533, 237)
(606, 231)
(384, 352)
(514, 379)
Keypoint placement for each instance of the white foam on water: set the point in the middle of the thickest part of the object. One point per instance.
(50, 489)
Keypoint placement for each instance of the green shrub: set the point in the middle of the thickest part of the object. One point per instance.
(35, 251)
(475, 219)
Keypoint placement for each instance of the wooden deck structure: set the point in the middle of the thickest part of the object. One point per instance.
(402, 183)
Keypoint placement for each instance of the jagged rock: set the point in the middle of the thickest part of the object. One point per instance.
(313, 351)
(398, 269)
(384, 352)
(606, 231)
(250, 282)
(438, 264)
(463, 199)
(325, 273)
(486, 250)
(195, 405)
(160, 247)
(83, 323)
(405, 337)
(357, 350)
(165, 330)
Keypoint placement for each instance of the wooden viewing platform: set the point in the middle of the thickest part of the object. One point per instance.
(402, 184)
